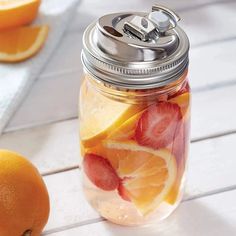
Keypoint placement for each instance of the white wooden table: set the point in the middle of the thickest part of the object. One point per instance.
(45, 126)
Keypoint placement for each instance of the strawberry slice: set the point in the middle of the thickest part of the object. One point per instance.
(100, 172)
(158, 125)
(123, 191)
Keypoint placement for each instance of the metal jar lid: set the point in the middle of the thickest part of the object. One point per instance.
(136, 50)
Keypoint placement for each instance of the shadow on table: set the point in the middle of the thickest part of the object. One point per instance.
(190, 219)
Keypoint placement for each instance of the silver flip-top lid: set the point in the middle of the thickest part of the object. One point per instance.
(136, 50)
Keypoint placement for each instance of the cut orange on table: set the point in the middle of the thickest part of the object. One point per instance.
(147, 174)
(97, 122)
(21, 43)
(14, 13)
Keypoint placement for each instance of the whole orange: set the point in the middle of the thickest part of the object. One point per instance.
(24, 200)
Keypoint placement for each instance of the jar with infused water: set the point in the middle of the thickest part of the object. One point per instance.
(134, 114)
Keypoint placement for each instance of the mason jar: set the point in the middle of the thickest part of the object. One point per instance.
(134, 115)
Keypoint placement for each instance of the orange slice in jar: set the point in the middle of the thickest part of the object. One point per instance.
(146, 175)
(126, 131)
(183, 101)
(100, 115)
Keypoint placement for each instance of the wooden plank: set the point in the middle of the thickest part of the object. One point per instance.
(214, 112)
(212, 216)
(213, 65)
(211, 166)
(51, 148)
(51, 99)
(68, 204)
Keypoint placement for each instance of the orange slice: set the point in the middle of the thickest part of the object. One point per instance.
(183, 101)
(127, 130)
(15, 13)
(21, 43)
(147, 174)
(100, 115)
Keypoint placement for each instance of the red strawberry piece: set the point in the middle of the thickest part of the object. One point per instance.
(158, 125)
(123, 192)
(100, 172)
(179, 147)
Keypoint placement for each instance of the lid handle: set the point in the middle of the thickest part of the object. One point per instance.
(173, 17)
(160, 20)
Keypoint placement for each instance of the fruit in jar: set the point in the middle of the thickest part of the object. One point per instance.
(146, 175)
(126, 131)
(15, 13)
(179, 148)
(183, 101)
(100, 172)
(21, 43)
(98, 122)
(24, 200)
(158, 125)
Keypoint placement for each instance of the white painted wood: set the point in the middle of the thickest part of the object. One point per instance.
(212, 166)
(214, 112)
(68, 204)
(51, 99)
(213, 65)
(211, 216)
(51, 147)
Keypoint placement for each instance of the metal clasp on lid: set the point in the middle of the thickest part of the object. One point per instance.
(173, 17)
(161, 19)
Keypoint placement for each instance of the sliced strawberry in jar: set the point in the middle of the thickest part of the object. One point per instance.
(158, 125)
(100, 172)
(123, 192)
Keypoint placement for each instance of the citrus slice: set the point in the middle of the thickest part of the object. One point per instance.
(14, 13)
(146, 175)
(183, 101)
(100, 115)
(126, 131)
(21, 43)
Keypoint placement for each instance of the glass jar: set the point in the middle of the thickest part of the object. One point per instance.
(134, 125)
